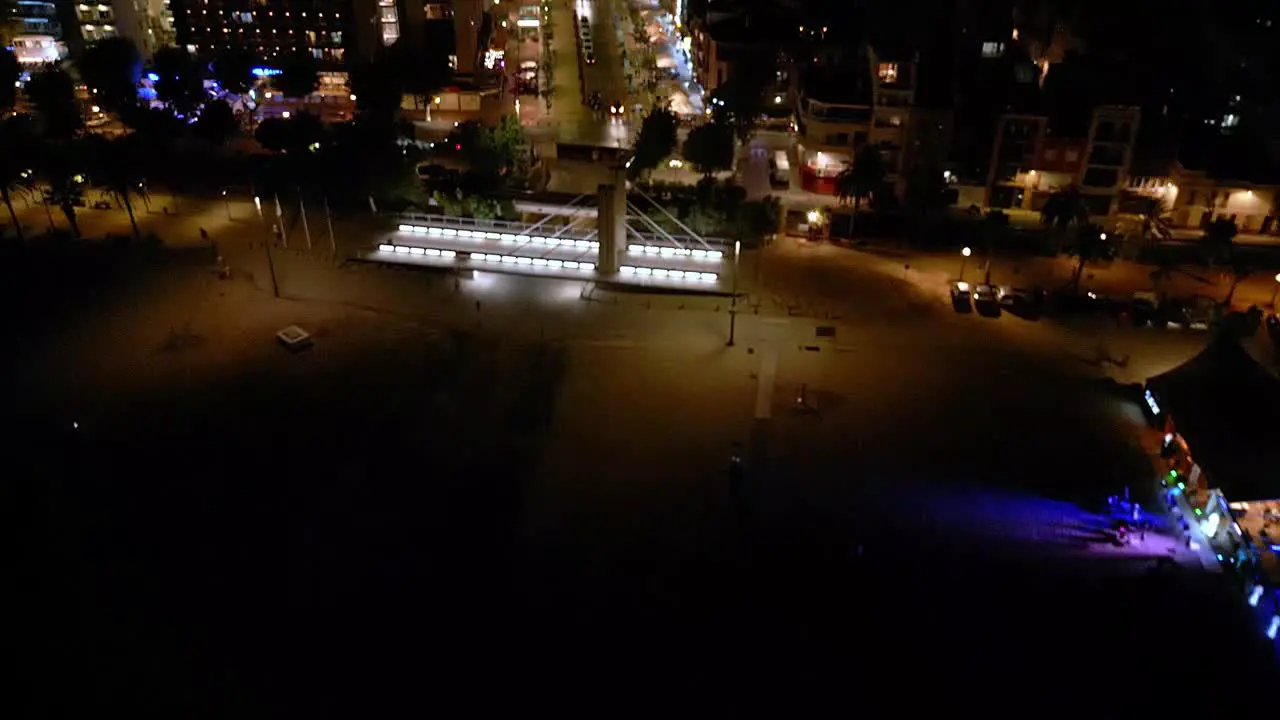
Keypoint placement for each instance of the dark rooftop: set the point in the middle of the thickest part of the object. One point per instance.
(747, 29)
(848, 84)
(1227, 406)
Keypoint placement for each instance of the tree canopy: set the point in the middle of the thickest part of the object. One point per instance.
(299, 76)
(111, 68)
(709, 148)
(737, 102)
(862, 179)
(53, 94)
(378, 86)
(655, 141)
(232, 69)
(181, 83)
(217, 123)
(10, 69)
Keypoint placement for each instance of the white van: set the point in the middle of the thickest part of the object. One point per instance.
(780, 169)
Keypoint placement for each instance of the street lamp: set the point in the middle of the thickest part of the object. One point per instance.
(1275, 291)
(965, 252)
(733, 301)
(814, 217)
(226, 203)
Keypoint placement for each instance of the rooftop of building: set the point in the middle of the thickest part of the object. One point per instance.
(744, 29)
(845, 84)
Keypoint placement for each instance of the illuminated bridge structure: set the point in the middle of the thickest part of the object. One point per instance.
(612, 241)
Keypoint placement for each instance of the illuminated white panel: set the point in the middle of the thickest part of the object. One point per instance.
(627, 270)
(651, 249)
(709, 277)
(644, 271)
(384, 247)
(435, 231)
(555, 263)
(580, 243)
(433, 252)
(522, 238)
(524, 261)
(540, 262)
(714, 254)
(635, 248)
(464, 233)
(586, 266)
(405, 228)
(668, 252)
(449, 232)
(594, 245)
(508, 259)
(660, 272)
(571, 264)
(492, 236)
(508, 237)
(700, 253)
(448, 253)
(402, 249)
(418, 251)
(676, 273)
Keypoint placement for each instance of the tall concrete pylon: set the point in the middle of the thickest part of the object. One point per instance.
(611, 222)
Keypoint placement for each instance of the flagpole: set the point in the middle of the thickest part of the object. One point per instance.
(302, 210)
(328, 218)
(284, 234)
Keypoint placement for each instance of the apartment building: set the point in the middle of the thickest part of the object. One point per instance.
(148, 23)
(834, 111)
(271, 29)
(38, 32)
(864, 100)
(1029, 162)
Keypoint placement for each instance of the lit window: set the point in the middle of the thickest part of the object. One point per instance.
(1230, 120)
(889, 72)
(993, 49)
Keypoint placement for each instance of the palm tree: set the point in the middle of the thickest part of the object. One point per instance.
(995, 227)
(59, 168)
(113, 170)
(862, 179)
(1156, 224)
(1239, 272)
(1162, 274)
(1218, 241)
(1089, 246)
(1063, 208)
(17, 138)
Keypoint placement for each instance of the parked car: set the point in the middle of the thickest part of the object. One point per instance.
(986, 300)
(1013, 297)
(961, 297)
(1182, 314)
(1143, 308)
